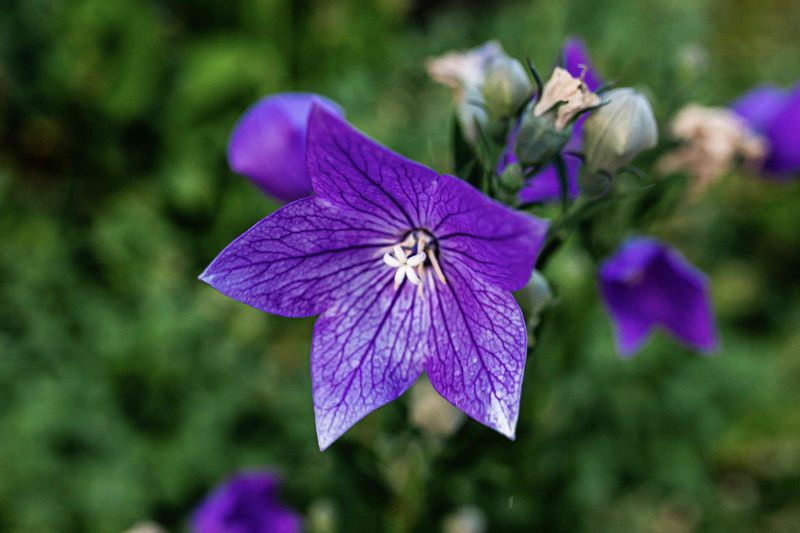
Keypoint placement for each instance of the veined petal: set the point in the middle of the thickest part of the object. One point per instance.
(365, 353)
(486, 237)
(351, 170)
(476, 349)
(299, 260)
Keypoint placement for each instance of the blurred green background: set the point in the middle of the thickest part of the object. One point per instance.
(128, 388)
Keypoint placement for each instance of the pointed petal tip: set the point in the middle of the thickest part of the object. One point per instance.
(500, 421)
(206, 276)
(326, 437)
(508, 429)
(324, 442)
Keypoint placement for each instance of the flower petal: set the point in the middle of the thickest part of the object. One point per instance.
(576, 61)
(546, 187)
(631, 325)
(648, 284)
(268, 144)
(484, 236)
(365, 353)
(476, 352)
(351, 170)
(299, 260)
(783, 133)
(759, 106)
(690, 316)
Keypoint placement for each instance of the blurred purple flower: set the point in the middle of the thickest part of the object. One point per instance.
(544, 186)
(575, 58)
(647, 284)
(775, 114)
(268, 144)
(410, 271)
(246, 503)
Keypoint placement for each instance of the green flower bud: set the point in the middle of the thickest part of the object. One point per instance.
(506, 88)
(539, 140)
(533, 299)
(511, 179)
(619, 131)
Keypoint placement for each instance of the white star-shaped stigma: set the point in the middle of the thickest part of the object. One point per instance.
(405, 265)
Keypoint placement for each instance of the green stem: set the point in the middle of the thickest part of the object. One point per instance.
(563, 181)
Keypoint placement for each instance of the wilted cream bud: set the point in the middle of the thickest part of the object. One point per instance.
(506, 88)
(567, 95)
(431, 413)
(321, 517)
(713, 140)
(467, 519)
(465, 73)
(146, 527)
(617, 132)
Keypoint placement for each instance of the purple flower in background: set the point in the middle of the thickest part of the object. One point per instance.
(647, 284)
(544, 186)
(775, 114)
(246, 503)
(410, 271)
(575, 59)
(268, 144)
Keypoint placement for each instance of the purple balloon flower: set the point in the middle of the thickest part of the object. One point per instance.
(246, 503)
(647, 284)
(544, 186)
(410, 270)
(575, 57)
(268, 144)
(775, 114)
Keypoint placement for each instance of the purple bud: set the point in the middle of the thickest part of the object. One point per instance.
(246, 503)
(775, 114)
(268, 145)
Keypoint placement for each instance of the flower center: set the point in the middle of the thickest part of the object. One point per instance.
(410, 257)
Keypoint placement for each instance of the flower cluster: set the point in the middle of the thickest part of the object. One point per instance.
(411, 271)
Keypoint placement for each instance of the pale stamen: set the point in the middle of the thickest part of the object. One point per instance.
(412, 267)
(405, 265)
(437, 268)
